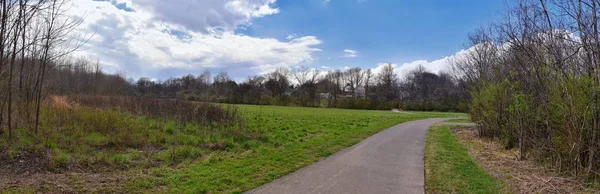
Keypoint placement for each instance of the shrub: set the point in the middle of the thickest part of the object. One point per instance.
(183, 111)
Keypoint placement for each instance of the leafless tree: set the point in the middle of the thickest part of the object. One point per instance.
(34, 35)
(386, 79)
(304, 74)
(354, 78)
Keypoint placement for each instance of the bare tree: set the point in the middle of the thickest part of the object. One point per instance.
(278, 82)
(354, 78)
(34, 35)
(386, 79)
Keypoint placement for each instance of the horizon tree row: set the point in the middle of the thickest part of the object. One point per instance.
(353, 88)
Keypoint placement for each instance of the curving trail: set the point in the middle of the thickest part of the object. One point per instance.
(391, 161)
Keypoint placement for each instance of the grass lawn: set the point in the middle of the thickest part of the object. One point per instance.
(450, 169)
(166, 156)
(293, 137)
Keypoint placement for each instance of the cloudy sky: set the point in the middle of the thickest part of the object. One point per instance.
(170, 38)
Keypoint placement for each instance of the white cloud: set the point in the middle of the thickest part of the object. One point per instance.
(291, 36)
(185, 36)
(349, 53)
(326, 1)
(435, 66)
(206, 15)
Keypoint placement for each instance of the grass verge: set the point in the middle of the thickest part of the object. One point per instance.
(459, 121)
(450, 169)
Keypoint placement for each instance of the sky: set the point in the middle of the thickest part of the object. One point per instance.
(160, 39)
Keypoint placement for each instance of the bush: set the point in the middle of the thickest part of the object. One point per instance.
(184, 111)
(556, 133)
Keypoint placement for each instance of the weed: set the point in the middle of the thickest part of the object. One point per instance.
(60, 160)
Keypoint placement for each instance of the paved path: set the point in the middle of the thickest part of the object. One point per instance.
(391, 161)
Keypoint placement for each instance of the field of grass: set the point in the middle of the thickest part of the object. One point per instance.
(158, 155)
(292, 137)
(450, 169)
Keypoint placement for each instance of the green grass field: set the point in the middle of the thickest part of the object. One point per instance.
(172, 157)
(293, 137)
(450, 169)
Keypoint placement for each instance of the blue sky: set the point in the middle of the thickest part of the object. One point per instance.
(381, 30)
(161, 39)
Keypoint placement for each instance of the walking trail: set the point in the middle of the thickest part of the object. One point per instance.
(391, 161)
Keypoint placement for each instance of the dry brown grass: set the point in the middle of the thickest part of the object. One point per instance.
(206, 114)
(60, 101)
(71, 182)
(521, 176)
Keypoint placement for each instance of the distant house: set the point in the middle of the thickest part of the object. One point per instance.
(325, 95)
(347, 91)
(359, 92)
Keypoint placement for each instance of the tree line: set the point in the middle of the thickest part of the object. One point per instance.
(535, 79)
(354, 88)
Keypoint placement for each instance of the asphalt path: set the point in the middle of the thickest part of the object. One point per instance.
(391, 161)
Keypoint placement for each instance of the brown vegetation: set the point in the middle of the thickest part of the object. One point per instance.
(522, 176)
(183, 111)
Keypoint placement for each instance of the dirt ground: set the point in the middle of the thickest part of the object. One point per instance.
(28, 174)
(61, 183)
(519, 176)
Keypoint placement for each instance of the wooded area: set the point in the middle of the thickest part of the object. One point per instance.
(354, 88)
(34, 36)
(534, 77)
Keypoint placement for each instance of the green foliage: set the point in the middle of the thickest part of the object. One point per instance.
(450, 169)
(59, 160)
(489, 108)
(554, 124)
(184, 152)
(571, 114)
